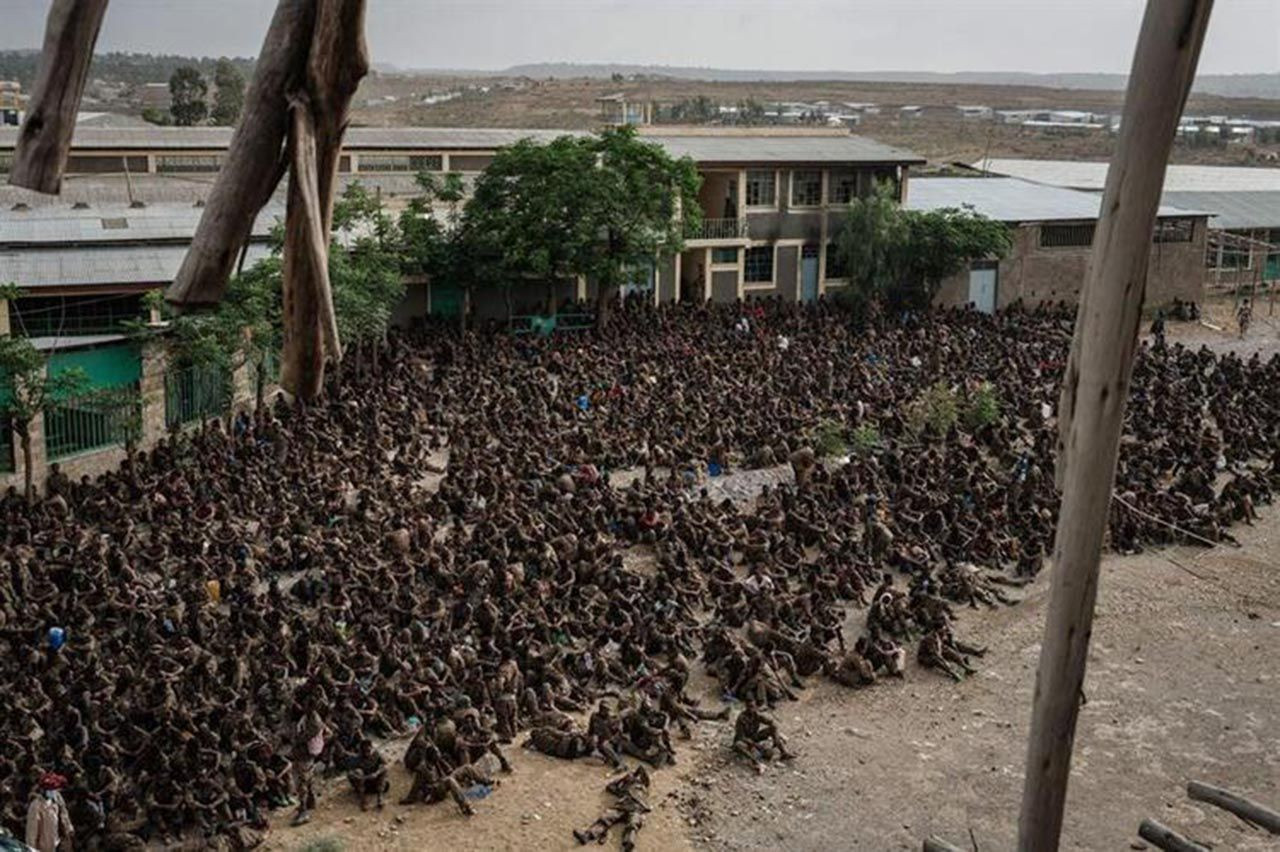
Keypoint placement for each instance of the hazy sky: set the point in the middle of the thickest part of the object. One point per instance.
(842, 35)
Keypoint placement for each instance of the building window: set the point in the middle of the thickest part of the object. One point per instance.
(6, 163)
(187, 164)
(1066, 236)
(49, 316)
(842, 187)
(724, 255)
(806, 188)
(401, 163)
(1174, 230)
(836, 266)
(759, 265)
(762, 188)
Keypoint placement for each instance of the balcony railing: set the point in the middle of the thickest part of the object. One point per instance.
(718, 229)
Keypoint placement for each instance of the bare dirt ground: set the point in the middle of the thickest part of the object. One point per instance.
(939, 134)
(1182, 685)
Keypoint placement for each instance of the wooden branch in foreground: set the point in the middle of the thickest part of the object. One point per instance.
(306, 267)
(44, 142)
(1166, 838)
(1250, 812)
(255, 160)
(1095, 389)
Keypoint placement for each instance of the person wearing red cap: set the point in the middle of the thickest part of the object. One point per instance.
(48, 821)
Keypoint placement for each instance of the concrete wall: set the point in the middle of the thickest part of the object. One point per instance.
(1035, 274)
(786, 272)
(412, 306)
(666, 283)
(97, 462)
(724, 286)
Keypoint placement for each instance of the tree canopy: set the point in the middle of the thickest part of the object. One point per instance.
(228, 99)
(187, 91)
(26, 387)
(593, 206)
(901, 257)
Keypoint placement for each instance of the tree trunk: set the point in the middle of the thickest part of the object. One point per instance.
(338, 60)
(1248, 811)
(1095, 388)
(255, 160)
(28, 475)
(604, 302)
(307, 329)
(44, 142)
(260, 391)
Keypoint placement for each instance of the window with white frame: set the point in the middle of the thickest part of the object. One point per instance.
(759, 265)
(728, 256)
(401, 162)
(806, 188)
(762, 188)
(842, 187)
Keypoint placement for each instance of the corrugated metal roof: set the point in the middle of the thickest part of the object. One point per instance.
(1178, 178)
(782, 149)
(1011, 200)
(710, 147)
(186, 138)
(113, 222)
(99, 266)
(1233, 210)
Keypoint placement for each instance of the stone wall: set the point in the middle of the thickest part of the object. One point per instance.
(1035, 274)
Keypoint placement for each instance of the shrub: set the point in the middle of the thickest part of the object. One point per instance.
(982, 408)
(934, 411)
(866, 438)
(828, 439)
(323, 844)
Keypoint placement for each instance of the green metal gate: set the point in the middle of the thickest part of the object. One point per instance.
(198, 392)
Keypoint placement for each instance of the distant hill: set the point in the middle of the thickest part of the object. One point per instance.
(1225, 85)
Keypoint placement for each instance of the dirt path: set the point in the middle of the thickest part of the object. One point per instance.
(1181, 685)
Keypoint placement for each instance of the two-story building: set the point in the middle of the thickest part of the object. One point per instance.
(771, 201)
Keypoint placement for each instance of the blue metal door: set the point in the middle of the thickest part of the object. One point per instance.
(809, 274)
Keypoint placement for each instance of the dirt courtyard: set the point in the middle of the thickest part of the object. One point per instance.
(1182, 685)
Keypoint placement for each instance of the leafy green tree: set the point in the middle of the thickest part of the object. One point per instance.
(26, 388)
(187, 92)
(642, 200)
(365, 270)
(435, 248)
(531, 217)
(901, 257)
(228, 99)
(155, 115)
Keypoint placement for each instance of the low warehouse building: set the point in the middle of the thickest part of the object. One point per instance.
(1052, 237)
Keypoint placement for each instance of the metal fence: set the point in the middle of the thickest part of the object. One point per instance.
(195, 393)
(717, 229)
(91, 422)
(544, 325)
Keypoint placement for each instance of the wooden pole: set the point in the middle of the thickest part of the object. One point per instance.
(337, 61)
(255, 160)
(1166, 838)
(1250, 812)
(1094, 391)
(44, 142)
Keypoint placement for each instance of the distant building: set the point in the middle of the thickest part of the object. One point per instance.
(617, 110)
(910, 111)
(974, 111)
(11, 103)
(155, 96)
